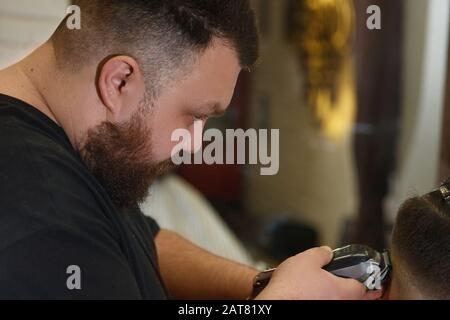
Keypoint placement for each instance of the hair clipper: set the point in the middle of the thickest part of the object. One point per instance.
(358, 262)
(361, 263)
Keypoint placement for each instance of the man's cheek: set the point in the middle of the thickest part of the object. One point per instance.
(166, 147)
(197, 136)
(163, 152)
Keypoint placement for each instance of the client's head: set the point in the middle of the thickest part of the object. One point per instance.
(420, 249)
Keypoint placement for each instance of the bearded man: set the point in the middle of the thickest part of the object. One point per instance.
(85, 126)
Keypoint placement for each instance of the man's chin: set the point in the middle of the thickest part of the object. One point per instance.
(139, 189)
(120, 158)
(165, 167)
(129, 184)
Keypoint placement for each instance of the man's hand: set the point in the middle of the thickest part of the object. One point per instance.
(302, 278)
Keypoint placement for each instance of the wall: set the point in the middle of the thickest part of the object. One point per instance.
(425, 65)
(316, 182)
(24, 24)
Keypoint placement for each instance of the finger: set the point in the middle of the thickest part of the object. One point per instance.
(373, 295)
(351, 289)
(319, 256)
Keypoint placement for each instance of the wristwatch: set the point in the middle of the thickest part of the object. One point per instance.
(261, 281)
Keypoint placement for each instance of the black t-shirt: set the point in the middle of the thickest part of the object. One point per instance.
(61, 237)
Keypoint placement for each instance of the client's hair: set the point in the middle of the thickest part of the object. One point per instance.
(421, 243)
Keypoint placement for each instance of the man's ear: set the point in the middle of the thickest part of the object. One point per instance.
(121, 87)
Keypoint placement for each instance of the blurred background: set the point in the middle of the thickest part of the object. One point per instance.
(361, 115)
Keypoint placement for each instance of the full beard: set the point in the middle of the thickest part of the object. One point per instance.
(119, 156)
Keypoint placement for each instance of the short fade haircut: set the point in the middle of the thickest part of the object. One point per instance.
(162, 35)
(421, 242)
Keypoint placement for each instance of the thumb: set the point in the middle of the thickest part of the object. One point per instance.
(319, 256)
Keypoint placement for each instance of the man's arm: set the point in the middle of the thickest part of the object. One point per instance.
(190, 272)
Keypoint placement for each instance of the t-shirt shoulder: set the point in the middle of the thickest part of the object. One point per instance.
(42, 183)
